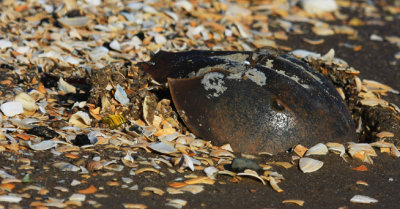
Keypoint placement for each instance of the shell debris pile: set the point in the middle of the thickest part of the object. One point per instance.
(71, 92)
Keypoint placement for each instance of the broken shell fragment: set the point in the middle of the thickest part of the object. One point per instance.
(80, 120)
(308, 165)
(28, 103)
(12, 108)
(319, 149)
(363, 199)
(254, 101)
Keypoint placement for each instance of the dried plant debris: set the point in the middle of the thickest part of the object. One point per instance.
(75, 98)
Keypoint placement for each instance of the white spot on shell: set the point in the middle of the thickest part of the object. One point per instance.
(256, 76)
(213, 82)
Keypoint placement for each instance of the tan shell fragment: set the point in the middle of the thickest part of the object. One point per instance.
(318, 149)
(384, 134)
(308, 165)
(221, 153)
(28, 103)
(298, 202)
(362, 151)
(336, 148)
(80, 120)
(251, 173)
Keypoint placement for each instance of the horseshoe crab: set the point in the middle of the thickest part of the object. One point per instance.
(255, 101)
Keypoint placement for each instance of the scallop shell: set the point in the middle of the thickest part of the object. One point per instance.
(308, 165)
(318, 149)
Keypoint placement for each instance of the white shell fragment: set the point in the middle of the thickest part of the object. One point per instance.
(5, 44)
(211, 172)
(80, 120)
(77, 197)
(12, 108)
(43, 145)
(28, 103)
(363, 199)
(251, 173)
(319, 149)
(319, 6)
(66, 87)
(10, 198)
(121, 96)
(308, 165)
(74, 21)
(162, 147)
(176, 203)
(362, 151)
(336, 148)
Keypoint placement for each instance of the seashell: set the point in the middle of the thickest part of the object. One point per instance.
(95, 165)
(4, 44)
(308, 165)
(362, 151)
(10, 198)
(74, 21)
(66, 87)
(115, 45)
(211, 172)
(64, 166)
(80, 119)
(28, 103)
(176, 203)
(300, 150)
(301, 53)
(274, 185)
(385, 134)
(298, 202)
(221, 153)
(363, 199)
(323, 31)
(77, 197)
(336, 147)
(98, 53)
(270, 101)
(162, 147)
(43, 145)
(12, 108)
(319, 149)
(319, 6)
(186, 5)
(251, 173)
(194, 189)
(394, 152)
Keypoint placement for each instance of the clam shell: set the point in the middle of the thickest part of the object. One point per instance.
(308, 165)
(318, 149)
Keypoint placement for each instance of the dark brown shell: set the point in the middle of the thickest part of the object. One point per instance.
(255, 101)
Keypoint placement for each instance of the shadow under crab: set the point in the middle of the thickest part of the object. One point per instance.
(255, 101)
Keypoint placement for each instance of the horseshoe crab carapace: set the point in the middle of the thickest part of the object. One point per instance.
(255, 101)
